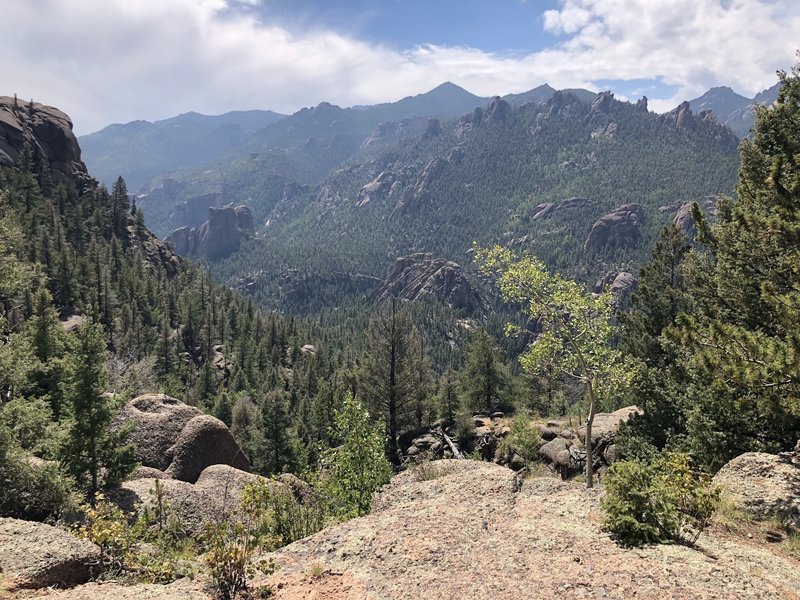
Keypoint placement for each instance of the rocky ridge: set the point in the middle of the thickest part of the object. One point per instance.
(423, 275)
(487, 534)
(48, 131)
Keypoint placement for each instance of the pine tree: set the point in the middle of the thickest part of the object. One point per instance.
(94, 454)
(276, 442)
(741, 342)
(448, 399)
(120, 205)
(659, 299)
(386, 378)
(485, 378)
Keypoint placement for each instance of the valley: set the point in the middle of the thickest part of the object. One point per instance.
(537, 344)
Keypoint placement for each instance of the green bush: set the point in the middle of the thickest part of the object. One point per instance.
(282, 519)
(29, 420)
(353, 471)
(146, 548)
(661, 501)
(232, 542)
(523, 440)
(29, 490)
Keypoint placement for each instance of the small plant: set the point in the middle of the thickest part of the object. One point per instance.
(231, 546)
(429, 470)
(232, 543)
(106, 525)
(523, 440)
(663, 501)
(317, 571)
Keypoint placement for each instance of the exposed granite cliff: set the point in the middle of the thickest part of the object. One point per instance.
(48, 131)
(618, 229)
(423, 275)
(218, 237)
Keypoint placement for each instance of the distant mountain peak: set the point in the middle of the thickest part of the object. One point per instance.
(732, 109)
(448, 85)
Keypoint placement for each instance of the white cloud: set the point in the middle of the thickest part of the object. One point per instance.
(117, 60)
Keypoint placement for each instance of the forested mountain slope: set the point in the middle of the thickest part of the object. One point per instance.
(140, 150)
(544, 177)
(305, 148)
(86, 288)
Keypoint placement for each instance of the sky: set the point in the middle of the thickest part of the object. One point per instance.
(114, 61)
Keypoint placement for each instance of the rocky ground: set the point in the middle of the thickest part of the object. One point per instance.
(466, 529)
(476, 531)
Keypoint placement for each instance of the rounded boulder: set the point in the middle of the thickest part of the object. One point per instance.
(204, 441)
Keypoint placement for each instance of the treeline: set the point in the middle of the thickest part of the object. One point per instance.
(715, 322)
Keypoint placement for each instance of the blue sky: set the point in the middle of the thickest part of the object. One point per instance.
(507, 26)
(110, 61)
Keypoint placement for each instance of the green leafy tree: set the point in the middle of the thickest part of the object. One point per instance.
(659, 299)
(94, 454)
(577, 327)
(358, 466)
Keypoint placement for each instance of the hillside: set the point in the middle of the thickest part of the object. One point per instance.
(538, 177)
(140, 150)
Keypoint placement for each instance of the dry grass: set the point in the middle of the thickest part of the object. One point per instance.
(428, 470)
(731, 518)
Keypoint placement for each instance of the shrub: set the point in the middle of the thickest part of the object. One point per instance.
(657, 502)
(231, 544)
(429, 470)
(148, 547)
(465, 430)
(29, 421)
(282, 519)
(30, 491)
(353, 471)
(106, 525)
(523, 440)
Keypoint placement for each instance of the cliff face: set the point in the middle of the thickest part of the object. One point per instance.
(424, 275)
(54, 150)
(48, 131)
(218, 237)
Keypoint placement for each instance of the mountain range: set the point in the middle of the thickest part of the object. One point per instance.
(141, 151)
(334, 195)
(732, 109)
